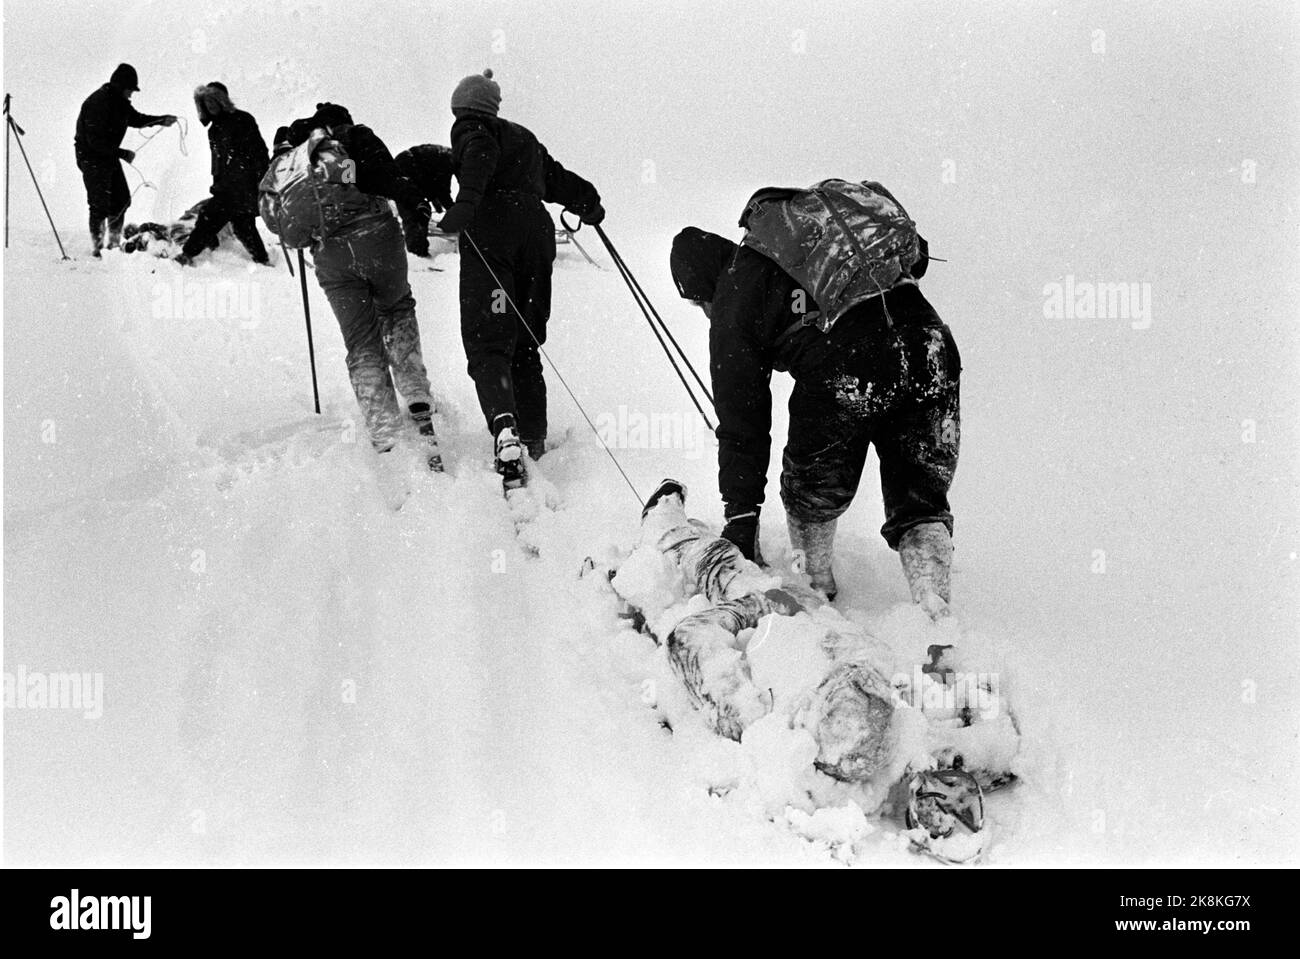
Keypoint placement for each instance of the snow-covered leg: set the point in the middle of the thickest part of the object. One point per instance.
(815, 541)
(702, 651)
(926, 555)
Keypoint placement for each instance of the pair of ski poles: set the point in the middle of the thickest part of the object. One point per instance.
(657, 325)
(15, 133)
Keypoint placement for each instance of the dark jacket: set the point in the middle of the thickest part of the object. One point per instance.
(239, 157)
(754, 331)
(428, 167)
(102, 122)
(492, 155)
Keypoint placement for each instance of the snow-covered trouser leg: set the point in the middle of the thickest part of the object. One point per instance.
(926, 554)
(401, 334)
(351, 268)
(853, 708)
(919, 444)
(702, 651)
(815, 541)
(701, 648)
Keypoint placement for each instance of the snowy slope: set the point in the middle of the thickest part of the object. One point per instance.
(294, 674)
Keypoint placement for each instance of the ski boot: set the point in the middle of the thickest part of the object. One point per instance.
(422, 413)
(668, 487)
(926, 555)
(945, 812)
(97, 240)
(509, 453)
(815, 541)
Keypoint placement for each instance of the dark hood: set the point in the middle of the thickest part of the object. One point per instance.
(698, 259)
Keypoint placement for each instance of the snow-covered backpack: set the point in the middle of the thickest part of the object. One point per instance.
(843, 242)
(310, 192)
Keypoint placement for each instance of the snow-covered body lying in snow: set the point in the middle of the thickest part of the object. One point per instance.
(753, 650)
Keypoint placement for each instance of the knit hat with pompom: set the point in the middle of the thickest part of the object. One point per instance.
(477, 92)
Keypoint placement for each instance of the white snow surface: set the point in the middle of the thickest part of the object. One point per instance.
(293, 673)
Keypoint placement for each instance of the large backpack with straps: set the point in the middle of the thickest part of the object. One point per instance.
(310, 192)
(843, 242)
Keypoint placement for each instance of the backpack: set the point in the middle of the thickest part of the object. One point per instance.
(843, 242)
(310, 192)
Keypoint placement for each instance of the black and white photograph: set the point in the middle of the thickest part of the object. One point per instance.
(845, 435)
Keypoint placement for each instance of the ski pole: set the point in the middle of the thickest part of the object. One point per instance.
(636, 285)
(647, 309)
(287, 261)
(572, 233)
(18, 135)
(563, 382)
(306, 310)
(8, 137)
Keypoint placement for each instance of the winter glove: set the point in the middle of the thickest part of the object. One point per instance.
(417, 240)
(742, 530)
(593, 216)
(457, 218)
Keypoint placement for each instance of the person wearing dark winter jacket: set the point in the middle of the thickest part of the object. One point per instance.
(505, 176)
(428, 167)
(102, 123)
(362, 269)
(377, 172)
(886, 374)
(239, 160)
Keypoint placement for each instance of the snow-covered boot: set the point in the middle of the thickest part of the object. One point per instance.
(422, 413)
(96, 239)
(816, 542)
(536, 448)
(509, 452)
(926, 554)
(667, 487)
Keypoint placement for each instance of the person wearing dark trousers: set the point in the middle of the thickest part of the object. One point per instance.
(505, 176)
(102, 123)
(428, 167)
(239, 160)
(363, 270)
(887, 374)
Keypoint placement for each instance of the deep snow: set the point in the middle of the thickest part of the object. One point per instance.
(293, 673)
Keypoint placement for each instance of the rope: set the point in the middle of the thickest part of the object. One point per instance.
(541, 349)
(182, 128)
